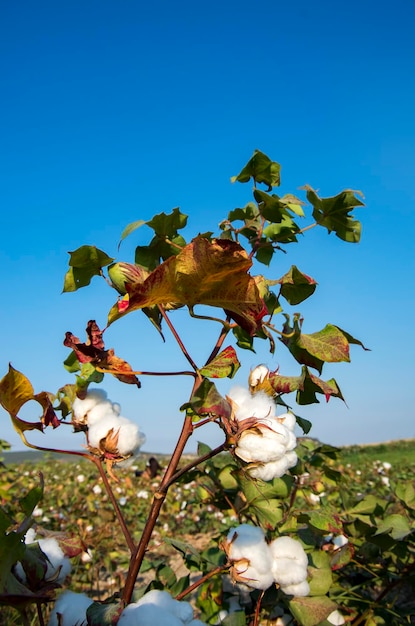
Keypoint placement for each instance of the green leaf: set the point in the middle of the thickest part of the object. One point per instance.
(395, 525)
(104, 613)
(406, 493)
(130, 228)
(30, 501)
(283, 232)
(191, 556)
(261, 169)
(85, 262)
(320, 573)
(366, 506)
(334, 213)
(325, 521)
(296, 286)
(225, 364)
(167, 225)
(208, 401)
(310, 611)
(237, 618)
(71, 363)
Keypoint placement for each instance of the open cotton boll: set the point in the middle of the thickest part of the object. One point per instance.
(259, 405)
(100, 429)
(58, 566)
(264, 447)
(336, 618)
(129, 437)
(269, 471)
(288, 548)
(72, 608)
(250, 557)
(99, 411)
(288, 419)
(80, 408)
(182, 610)
(147, 615)
(300, 590)
(288, 572)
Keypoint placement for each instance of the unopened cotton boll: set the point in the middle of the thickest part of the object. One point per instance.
(71, 608)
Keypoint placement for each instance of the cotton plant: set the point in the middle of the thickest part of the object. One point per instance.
(259, 564)
(265, 441)
(212, 271)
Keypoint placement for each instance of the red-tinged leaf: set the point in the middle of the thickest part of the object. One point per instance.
(340, 558)
(208, 401)
(213, 273)
(105, 361)
(49, 417)
(71, 545)
(225, 364)
(329, 344)
(296, 286)
(95, 335)
(312, 385)
(285, 384)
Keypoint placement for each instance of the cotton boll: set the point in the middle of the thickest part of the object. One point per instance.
(288, 572)
(288, 548)
(288, 419)
(147, 615)
(30, 536)
(116, 407)
(264, 447)
(259, 405)
(72, 607)
(291, 459)
(100, 429)
(250, 557)
(58, 566)
(80, 408)
(129, 437)
(99, 412)
(258, 375)
(182, 610)
(300, 590)
(269, 471)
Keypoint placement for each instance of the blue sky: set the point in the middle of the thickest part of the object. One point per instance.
(114, 111)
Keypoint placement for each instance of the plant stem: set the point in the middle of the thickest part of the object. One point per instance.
(120, 517)
(176, 336)
(157, 503)
(223, 334)
(195, 463)
(200, 581)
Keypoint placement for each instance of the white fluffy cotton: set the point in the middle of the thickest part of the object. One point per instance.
(289, 566)
(268, 444)
(250, 557)
(58, 566)
(283, 561)
(72, 608)
(103, 418)
(158, 607)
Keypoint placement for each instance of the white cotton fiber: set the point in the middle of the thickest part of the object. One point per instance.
(269, 471)
(80, 408)
(288, 548)
(100, 429)
(99, 412)
(250, 557)
(58, 566)
(267, 446)
(147, 615)
(259, 405)
(129, 437)
(288, 419)
(300, 590)
(72, 607)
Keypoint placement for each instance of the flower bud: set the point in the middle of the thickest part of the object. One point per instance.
(125, 273)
